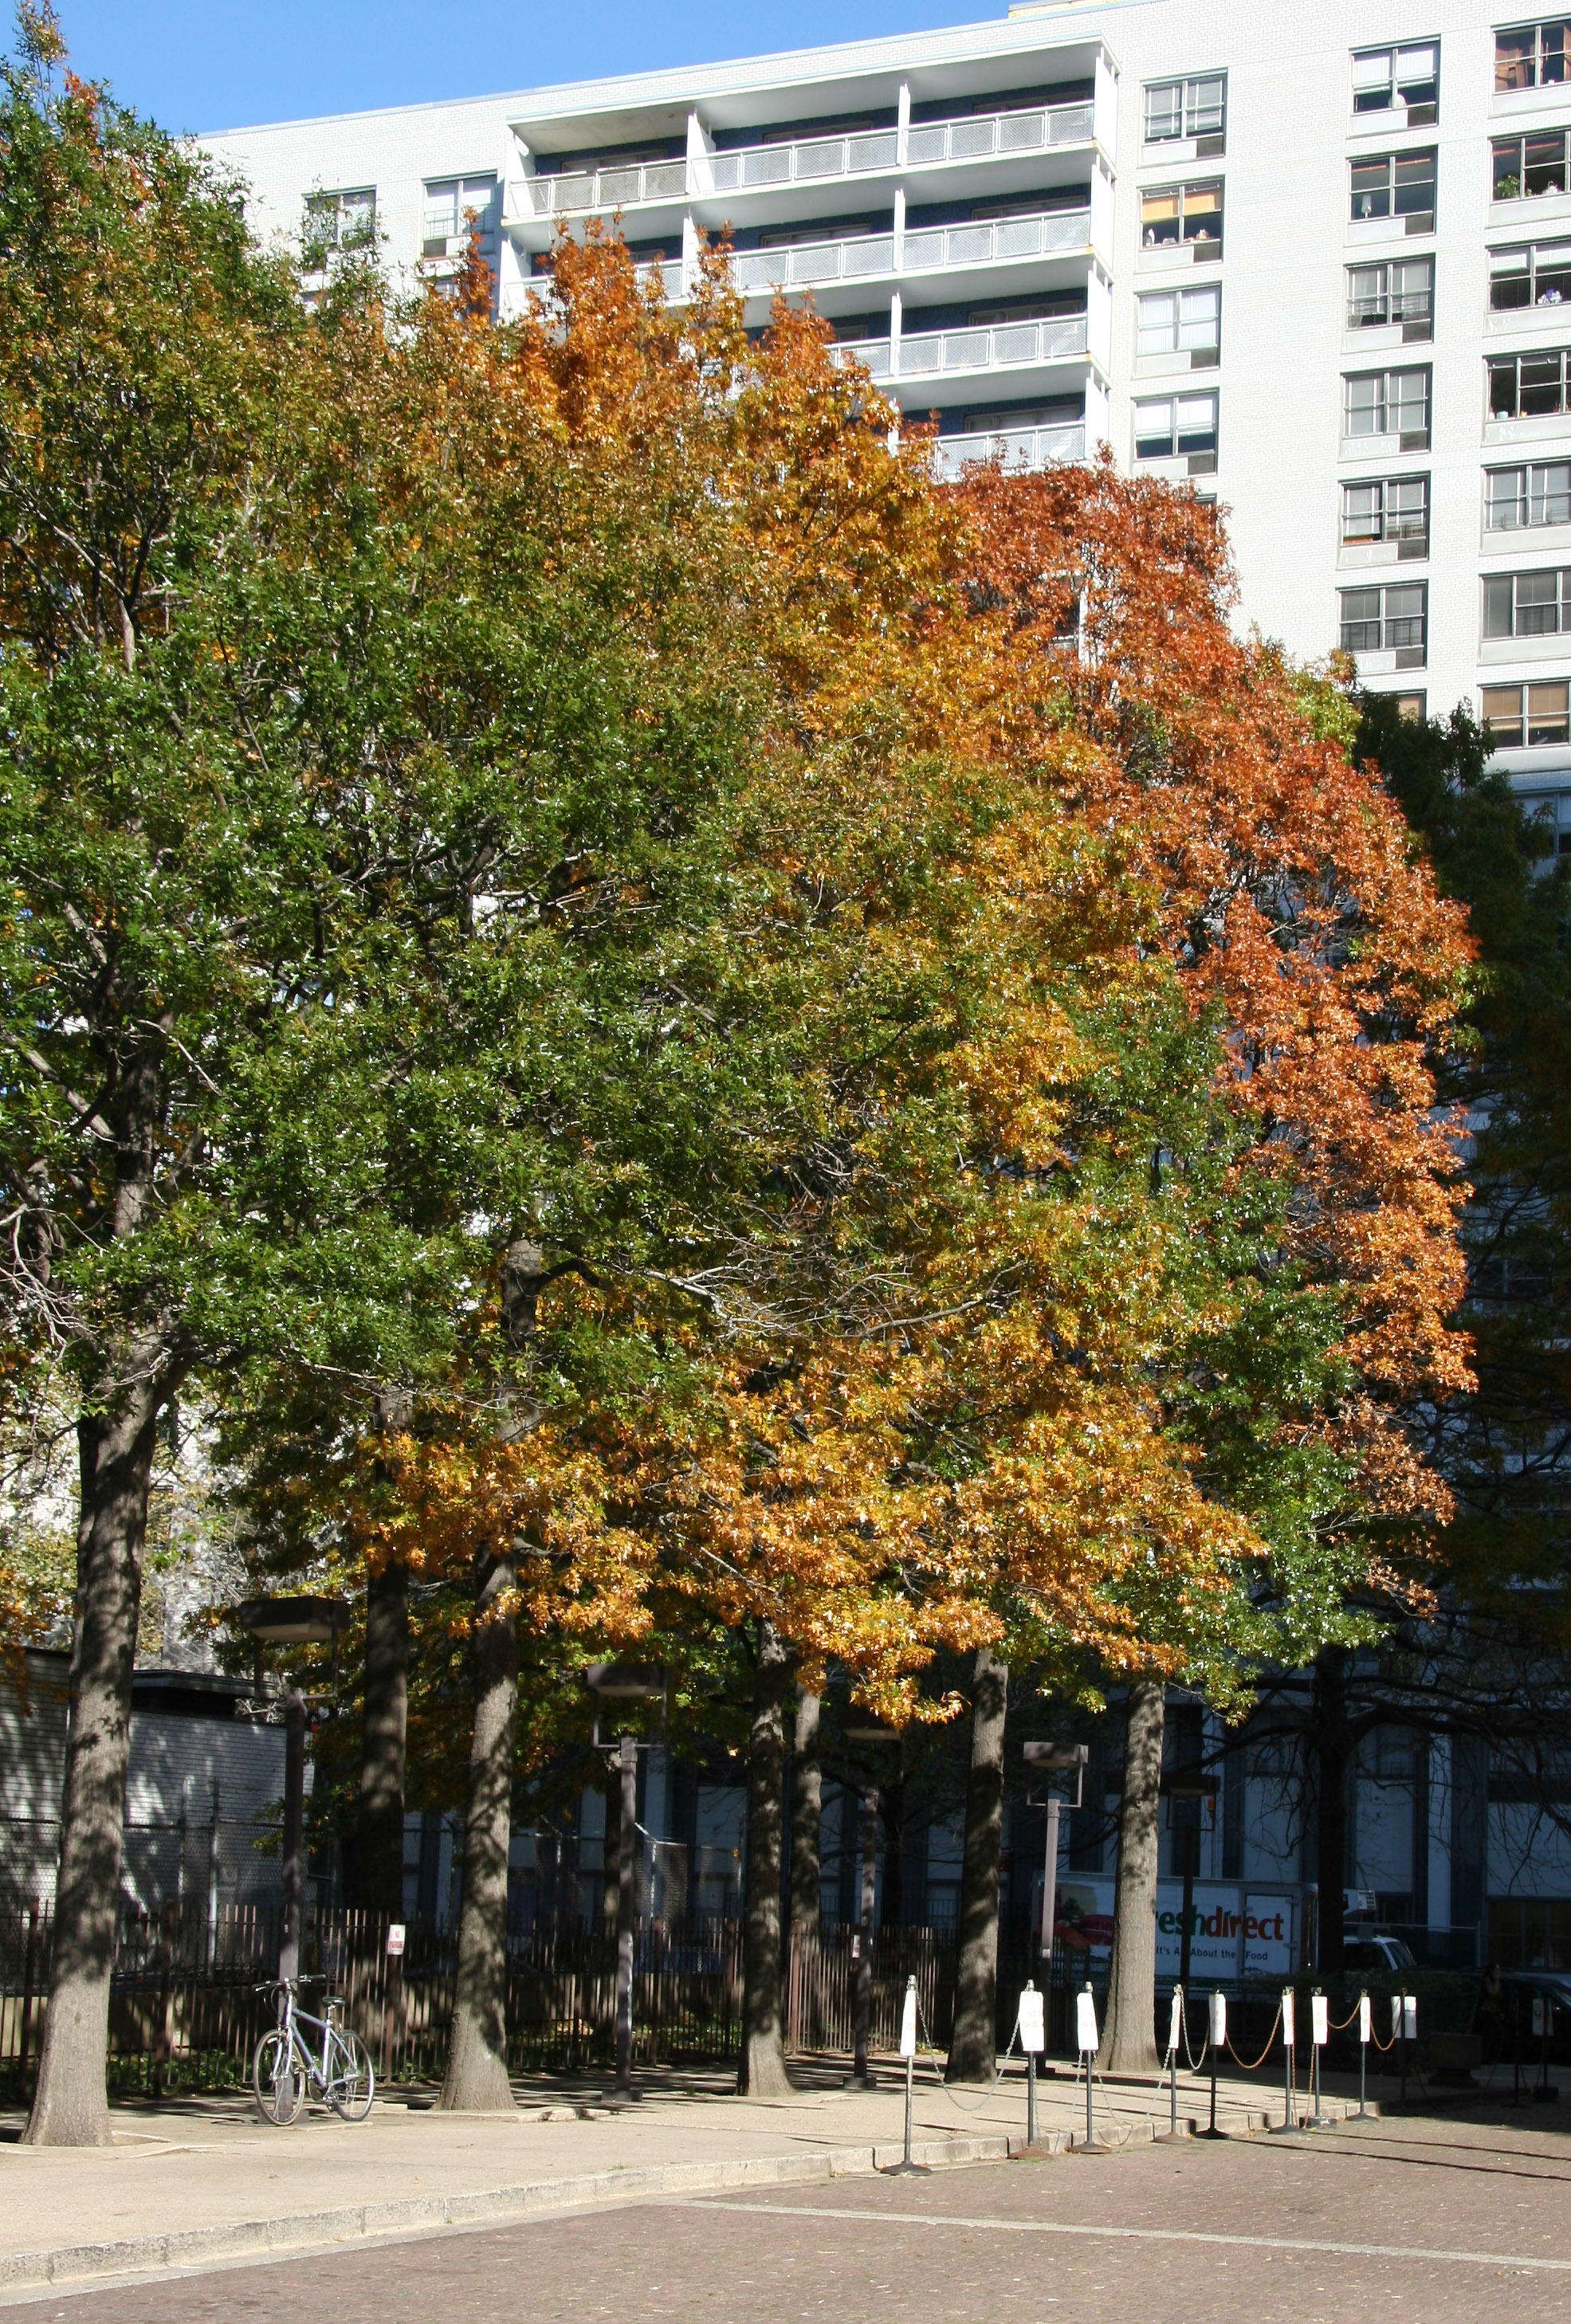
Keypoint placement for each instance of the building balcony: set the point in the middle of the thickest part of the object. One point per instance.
(1016, 447)
(927, 146)
(988, 244)
(934, 355)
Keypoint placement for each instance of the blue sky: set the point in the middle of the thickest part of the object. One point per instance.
(221, 64)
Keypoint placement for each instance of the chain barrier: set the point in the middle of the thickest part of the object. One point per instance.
(1252, 2066)
(934, 2054)
(1195, 2064)
(1374, 2037)
(1341, 2025)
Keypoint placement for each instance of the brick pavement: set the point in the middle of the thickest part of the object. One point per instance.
(1443, 2219)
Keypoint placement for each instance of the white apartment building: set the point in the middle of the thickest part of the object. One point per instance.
(1317, 261)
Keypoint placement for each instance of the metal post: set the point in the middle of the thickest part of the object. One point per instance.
(1030, 2097)
(627, 1840)
(1190, 1863)
(1178, 2020)
(1402, 1999)
(1090, 2125)
(1049, 1893)
(294, 1801)
(911, 2067)
(864, 1948)
(1364, 2023)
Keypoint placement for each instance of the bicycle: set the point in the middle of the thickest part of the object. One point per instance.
(283, 2068)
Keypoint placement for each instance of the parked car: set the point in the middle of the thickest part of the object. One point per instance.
(1365, 1949)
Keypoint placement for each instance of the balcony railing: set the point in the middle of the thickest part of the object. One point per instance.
(572, 191)
(666, 272)
(1028, 448)
(804, 161)
(977, 136)
(978, 349)
(986, 241)
(797, 263)
(807, 160)
(925, 355)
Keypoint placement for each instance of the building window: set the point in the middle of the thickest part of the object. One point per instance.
(1527, 604)
(1180, 214)
(1526, 717)
(1384, 79)
(1387, 509)
(1537, 276)
(454, 205)
(341, 221)
(1178, 322)
(1528, 166)
(1537, 493)
(1396, 290)
(1395, 185)
(1392, 619)
(1388, 403)
(1531, 56)
(1167, 426)
(1527, 387)
(1197, 107)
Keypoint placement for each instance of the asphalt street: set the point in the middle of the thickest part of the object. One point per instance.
(1434, 2220)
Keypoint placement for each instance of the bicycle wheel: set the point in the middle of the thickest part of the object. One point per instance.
(351, 2084)
(277, 2080)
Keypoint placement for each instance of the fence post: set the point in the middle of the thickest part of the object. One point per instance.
(28, 1969)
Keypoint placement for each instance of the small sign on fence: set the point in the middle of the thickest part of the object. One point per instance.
(1086, 2039)
(1032, 2026)
(394, 1938)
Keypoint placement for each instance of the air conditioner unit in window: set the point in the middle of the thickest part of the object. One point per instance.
(1414, 439)
(1422, 330)
(1420, 222)
(1421, 115)
(1202, 464)
(1407, 551)
(1409, 657)
(1205, 147)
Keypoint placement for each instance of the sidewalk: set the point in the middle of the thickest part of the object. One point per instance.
(202, 2180)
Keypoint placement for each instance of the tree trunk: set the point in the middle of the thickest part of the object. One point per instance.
(476, 2078)
(762, 2071)
(973, 2048)
(807, 1815)
(1331, 1741)
(115, 1444)
(1129, 2043)
(379, 1865)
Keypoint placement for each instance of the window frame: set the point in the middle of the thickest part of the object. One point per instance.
(1388, 317)
(1530, 492)
(1533, 31)
(1188, 128)
(1393, 524)
(1496, 367)
(1420, 109)
(1505, 149)
(489, 214)
(1387, 403)
(1393, 201)
(1180, 295)
(1384, 620)
(1538, 724)
(1176, 448)
(1551, 586)
(1183, 239)
(362, 233)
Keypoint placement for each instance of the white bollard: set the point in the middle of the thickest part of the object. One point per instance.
(1319, 2034)
(1087, 2041)
(1365, 2035)
(1033, 2040)
(1175, 2034)
(1288, 2126)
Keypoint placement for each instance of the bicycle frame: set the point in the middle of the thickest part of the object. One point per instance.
(319, 2070)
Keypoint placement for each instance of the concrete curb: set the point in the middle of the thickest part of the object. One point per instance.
(416, 2214)
(299, 2231)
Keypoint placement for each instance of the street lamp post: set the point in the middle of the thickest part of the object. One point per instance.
(292, 1622)
(624, 1683)
(1055, 1757)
